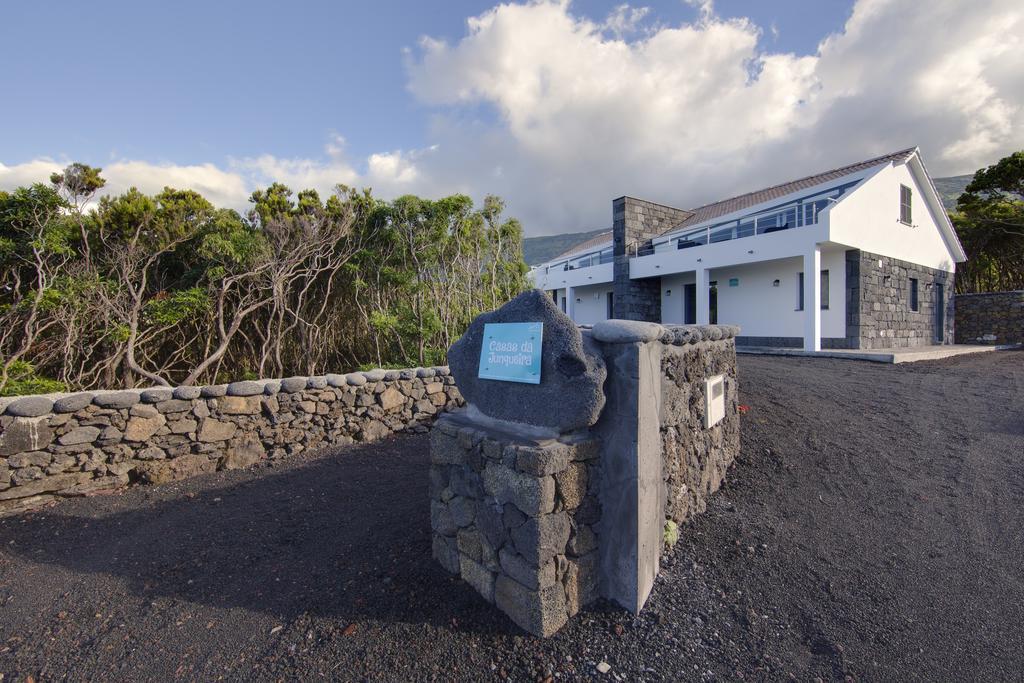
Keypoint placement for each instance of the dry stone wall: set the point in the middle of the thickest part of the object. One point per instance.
(990, 318)
(695, 459)
(517, 520)
(74, 444)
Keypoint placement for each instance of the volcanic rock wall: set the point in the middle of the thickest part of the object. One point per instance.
(73, 444)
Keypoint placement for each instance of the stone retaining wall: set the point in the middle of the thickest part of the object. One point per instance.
(990, 318)
(73, 444)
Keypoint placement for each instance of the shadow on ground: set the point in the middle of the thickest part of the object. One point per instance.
(347, 536)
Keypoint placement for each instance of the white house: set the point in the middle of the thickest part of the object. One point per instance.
(862, 256)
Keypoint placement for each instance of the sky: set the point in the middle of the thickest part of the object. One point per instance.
(558, 107)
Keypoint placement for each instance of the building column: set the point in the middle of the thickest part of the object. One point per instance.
(570, 302)
(703, 292)
(812, 299)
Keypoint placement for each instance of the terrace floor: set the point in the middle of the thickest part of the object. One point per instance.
(872, 527)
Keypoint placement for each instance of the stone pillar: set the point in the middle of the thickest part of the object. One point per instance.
(515, 517)
(812, 299)
(632, 492)
(635, 223)
(703, 293)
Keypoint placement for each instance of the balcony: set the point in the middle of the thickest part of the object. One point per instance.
(793, 214)
(584, 260)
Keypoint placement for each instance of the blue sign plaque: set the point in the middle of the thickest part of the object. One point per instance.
(510, 352)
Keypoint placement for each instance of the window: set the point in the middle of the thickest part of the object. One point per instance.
(800, 291)
(905, 198)
(913, 293)
(824, 290)
(610, 312)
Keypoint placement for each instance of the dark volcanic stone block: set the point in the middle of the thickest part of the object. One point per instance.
(569, 395)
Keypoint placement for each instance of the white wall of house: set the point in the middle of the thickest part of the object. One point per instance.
(759, 307)
(673, 297)
(868, 219)
(591, 305)
(763, 310)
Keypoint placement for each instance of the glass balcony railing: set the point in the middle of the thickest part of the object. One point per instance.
(793, 214)
(584, 260)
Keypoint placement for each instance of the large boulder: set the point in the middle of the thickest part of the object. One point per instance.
(572, 371)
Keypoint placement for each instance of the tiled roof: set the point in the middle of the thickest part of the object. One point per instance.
(743, 201)
(592, 243)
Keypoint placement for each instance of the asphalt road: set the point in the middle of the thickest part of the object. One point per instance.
(871, 529)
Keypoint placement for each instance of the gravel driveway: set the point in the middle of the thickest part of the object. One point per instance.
(872, 528)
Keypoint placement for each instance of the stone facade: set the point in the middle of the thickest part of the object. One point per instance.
(878, 303)
(72, 444)
(990, 318)
(694, 459)
(516, 520)
(635, 223)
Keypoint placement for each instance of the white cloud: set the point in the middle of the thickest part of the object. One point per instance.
(558, 113)
(624, 20)
(222, 188)
(692, 113)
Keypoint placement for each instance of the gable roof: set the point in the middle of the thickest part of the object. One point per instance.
(587, 245)
(743, 201)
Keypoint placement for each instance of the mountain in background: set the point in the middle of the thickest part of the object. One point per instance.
(541, 249)
(951, 188)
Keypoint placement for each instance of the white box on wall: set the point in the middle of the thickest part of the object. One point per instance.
(714, 400)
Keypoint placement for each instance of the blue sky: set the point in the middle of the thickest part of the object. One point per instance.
(234, 94)
(209, 80)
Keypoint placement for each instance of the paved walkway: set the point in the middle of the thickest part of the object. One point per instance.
(873, 527)
(912, 355)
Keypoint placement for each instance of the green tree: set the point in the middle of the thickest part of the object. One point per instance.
(989, 220)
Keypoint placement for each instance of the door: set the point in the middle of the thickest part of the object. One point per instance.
(940, 313)
(610, 306)
(713, 302)
(689, 304)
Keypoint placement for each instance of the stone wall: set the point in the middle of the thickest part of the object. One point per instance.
(695, 459)
(635, 222)
(543, 505)
(878, 312)
(73, 444)
(515, 518)
(991, 318)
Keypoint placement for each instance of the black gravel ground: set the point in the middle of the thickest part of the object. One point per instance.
(871, 529)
